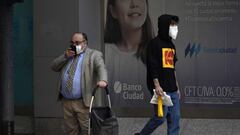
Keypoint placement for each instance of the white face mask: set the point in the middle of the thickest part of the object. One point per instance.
(173, 31)
(79, 49)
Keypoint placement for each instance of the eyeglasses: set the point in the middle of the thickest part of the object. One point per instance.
(77, 42)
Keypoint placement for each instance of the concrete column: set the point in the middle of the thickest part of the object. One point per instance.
(6, 60)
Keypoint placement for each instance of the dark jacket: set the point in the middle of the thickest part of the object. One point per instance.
(161, 57)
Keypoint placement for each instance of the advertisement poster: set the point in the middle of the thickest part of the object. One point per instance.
(207, 50)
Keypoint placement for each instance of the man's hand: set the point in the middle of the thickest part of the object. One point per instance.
(158, 88)
(159, 91)
(69, 53)
(102, 84)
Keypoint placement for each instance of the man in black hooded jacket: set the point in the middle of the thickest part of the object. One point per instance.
(161, 75)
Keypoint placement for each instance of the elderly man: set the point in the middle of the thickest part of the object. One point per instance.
(81, 69)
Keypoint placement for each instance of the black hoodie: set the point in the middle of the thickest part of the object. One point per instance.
(161, 57)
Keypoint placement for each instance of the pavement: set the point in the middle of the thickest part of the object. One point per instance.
(25, 125)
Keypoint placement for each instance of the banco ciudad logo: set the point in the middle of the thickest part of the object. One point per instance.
(195, 48)
(117, 87)
(192, 49)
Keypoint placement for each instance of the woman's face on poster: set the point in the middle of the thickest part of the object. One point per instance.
(131, 14)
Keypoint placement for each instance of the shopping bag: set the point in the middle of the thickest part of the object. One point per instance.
(102, 120)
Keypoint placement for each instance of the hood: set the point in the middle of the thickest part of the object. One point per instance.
(163, 25)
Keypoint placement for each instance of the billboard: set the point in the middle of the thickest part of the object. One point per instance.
(207, 49)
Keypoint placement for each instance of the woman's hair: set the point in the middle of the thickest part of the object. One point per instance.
(112, 32)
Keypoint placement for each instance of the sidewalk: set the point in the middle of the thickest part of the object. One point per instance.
(128, 126)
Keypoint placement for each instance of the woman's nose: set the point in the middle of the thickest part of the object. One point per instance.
(133, 4)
